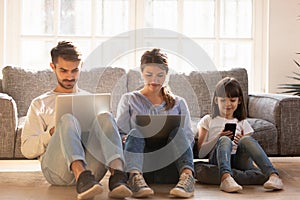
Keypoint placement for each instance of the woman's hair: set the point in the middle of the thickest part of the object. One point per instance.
(230, 87)
(67, 50)
(155, 57)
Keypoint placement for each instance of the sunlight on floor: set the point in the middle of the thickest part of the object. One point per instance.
(34, 165)
(19, 165)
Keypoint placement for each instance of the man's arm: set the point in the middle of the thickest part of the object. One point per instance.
(35, 135)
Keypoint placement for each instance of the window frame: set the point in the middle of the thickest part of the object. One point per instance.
(11, 37)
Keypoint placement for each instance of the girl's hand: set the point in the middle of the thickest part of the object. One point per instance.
(226, 133)
(124, 137)
(238, 137)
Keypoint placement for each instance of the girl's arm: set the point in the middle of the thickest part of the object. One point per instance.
(205, 146)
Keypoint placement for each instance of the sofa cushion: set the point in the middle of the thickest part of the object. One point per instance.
(1, 88)
(266, 134)
(8, 123)
(203, 84)
(105, 80)
(24, 85)
(18, 154)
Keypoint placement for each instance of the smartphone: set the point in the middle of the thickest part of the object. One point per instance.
(230, 127)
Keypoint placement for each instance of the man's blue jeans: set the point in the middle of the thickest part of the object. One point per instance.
(96, 148)
(138, 156)
(248, 151)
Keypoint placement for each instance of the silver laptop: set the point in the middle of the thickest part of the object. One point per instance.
(156, 128)
(85, 107)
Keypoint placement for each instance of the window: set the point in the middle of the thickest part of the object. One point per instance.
(226, 30)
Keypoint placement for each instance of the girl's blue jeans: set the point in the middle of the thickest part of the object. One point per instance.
(248, 151)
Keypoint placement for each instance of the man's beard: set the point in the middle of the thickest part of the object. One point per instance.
(61, 83)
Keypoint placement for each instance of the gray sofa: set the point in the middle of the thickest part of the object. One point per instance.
(274, 117)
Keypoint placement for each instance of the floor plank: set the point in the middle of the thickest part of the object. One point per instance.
(23, 179)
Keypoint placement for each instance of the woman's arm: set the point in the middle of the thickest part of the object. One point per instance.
(123, 117)
(187, 123)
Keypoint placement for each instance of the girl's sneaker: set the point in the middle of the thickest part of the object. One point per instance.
(229, 185)
(274, 183)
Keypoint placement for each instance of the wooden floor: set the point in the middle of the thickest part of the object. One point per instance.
(22, 179)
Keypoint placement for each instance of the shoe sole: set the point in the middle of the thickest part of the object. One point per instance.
(272, 187)
(180, 193)
(233, 190)
(143, 193)
(93, 191)
(120, 192)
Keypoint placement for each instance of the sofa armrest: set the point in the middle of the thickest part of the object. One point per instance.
(284, 112)
(8, 125)
(1, 88)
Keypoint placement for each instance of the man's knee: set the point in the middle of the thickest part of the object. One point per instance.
(105, 116)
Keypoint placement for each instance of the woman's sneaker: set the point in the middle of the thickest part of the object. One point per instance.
(229, 185)
(117, 184)
(274, 183)
(87, 187)
(185, 186)
(139, 186)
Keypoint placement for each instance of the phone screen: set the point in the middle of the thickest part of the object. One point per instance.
(230, 127)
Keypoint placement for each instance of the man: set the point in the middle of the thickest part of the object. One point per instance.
(67, 156)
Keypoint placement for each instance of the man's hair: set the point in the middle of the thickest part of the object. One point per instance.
(66, 50)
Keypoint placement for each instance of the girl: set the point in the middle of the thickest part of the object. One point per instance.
(155, 98)
(232, 151)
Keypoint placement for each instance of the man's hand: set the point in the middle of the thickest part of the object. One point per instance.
(51, 131)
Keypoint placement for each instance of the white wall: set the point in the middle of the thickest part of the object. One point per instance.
(2, 34)
(284, 42)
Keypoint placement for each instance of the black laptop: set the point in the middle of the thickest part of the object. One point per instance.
(156, 128)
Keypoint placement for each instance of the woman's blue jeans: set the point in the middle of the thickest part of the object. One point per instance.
(138, 156)
(96, 148)
(248, 151)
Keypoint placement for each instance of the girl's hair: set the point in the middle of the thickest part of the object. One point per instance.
(157, 58)
(230, 87)
(67, 50)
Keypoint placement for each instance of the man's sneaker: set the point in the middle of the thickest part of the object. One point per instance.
(87, 187)
(185, 186)
(118, 185)
(274, 183)
(229, 185)
(139, 186)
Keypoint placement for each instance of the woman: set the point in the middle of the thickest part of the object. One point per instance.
(155, 98)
